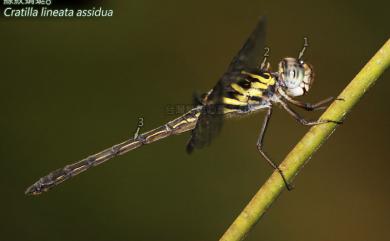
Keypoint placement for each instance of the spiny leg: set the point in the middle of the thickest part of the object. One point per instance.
(260, 148)
(302, 120)
(311, 107)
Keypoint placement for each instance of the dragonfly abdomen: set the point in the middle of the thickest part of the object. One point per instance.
(179, 125)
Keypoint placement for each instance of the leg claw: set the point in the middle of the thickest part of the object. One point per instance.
(289, 187)
(333, 121)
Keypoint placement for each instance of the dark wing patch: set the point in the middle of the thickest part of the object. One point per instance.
(248, 58)
(210, 121)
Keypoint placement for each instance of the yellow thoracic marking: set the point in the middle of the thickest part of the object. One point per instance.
(242, 98)
(255, 92)
(259, 85)
(238, 88)
(269, 81)
(253, 102)
(230, 101)
(226, 110)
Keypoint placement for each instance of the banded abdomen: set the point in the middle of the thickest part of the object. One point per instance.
(179, 125)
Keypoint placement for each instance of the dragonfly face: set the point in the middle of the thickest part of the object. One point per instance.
(295, 76)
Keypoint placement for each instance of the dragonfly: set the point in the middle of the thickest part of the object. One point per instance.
(248, 86)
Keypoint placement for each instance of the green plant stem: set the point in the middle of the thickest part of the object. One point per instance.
(305, 148)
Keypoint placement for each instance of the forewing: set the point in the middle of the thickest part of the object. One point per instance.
(249, 56)
(210, 121)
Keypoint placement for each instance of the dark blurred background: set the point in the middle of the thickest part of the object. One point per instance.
(71, 87)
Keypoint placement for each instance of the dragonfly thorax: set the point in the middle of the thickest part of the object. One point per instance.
(295, 76)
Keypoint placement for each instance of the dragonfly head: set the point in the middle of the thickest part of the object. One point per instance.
(295, 76)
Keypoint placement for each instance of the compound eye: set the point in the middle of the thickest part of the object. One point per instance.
(301, 62)
(292, 74)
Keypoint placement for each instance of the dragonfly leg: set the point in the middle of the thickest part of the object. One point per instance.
(302, 120)
(311, 107)
(260, 148)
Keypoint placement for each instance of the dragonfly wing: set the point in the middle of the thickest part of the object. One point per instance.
(249, 56)
(210, 120)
